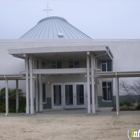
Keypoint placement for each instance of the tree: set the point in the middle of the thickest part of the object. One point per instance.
(133, 89)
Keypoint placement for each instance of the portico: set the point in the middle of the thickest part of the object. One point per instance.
(85, 55)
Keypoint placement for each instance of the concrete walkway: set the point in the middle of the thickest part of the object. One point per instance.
(100, 111)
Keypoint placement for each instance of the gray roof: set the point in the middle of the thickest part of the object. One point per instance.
(54, 28)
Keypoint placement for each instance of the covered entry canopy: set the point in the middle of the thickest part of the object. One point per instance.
(35, 52)
(59, 49)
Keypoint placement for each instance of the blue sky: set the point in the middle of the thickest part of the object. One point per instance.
(100, 19)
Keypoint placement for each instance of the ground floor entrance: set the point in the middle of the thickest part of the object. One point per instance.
(68, 95)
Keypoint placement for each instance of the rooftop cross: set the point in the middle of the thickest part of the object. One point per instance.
(47, 10)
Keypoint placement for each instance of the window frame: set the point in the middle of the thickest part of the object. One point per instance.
(42, 65)
(73, 64)
(54, 64)
(103, 100)
(44, 102)
(106, 63)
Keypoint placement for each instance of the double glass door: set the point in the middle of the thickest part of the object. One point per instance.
(69, 95)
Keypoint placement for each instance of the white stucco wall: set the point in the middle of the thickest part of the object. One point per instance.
(126, 55)
(10, 65)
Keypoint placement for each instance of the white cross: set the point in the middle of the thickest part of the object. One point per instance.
(47, 10)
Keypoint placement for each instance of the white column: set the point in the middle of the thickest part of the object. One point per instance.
(96, 94)
(92, 83)
(88, 84)
(96, 87)
(117, 95)
(31, 86)
(36, 91)
(40, 90)
(6, 98)
(17, 97)
(36, 94)
(27, 85)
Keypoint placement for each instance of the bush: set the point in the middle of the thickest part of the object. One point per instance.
(124, 107)
(12, 105)
(127, 103)
(12, 101)
(138, 107)
(2, 106)
(132, 108)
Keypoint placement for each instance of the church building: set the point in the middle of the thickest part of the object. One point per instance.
(60, 67)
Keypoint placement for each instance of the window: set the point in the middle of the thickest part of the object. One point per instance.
(43, 65)
(107, 91)
(107, 65)
(73, 64)
(56, 64)
(44, 92)
(37, 64)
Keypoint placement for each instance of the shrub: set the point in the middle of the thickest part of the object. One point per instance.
(138, 107)
(124, 107)
(132, 108)
(12, 101)
(127, 103)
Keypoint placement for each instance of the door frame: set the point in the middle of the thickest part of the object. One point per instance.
(69, 106)
(85, 95)
(52, 96)
(63, 105)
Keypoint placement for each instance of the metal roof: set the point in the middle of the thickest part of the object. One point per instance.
(54, 28)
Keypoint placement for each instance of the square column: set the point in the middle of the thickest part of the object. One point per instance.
(6, 98)
(40, 90)
(96, 94)
(27, 85)
(93, 83)
(36, 89)
(88, 83)
(36, 95)
(117, 95)
(96, 87)
(31, 86)
(17, 97)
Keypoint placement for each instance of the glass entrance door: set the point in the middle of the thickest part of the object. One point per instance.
(74, 96)
(80, 95)
(69, 101)
(69, 94)
(57, 97)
